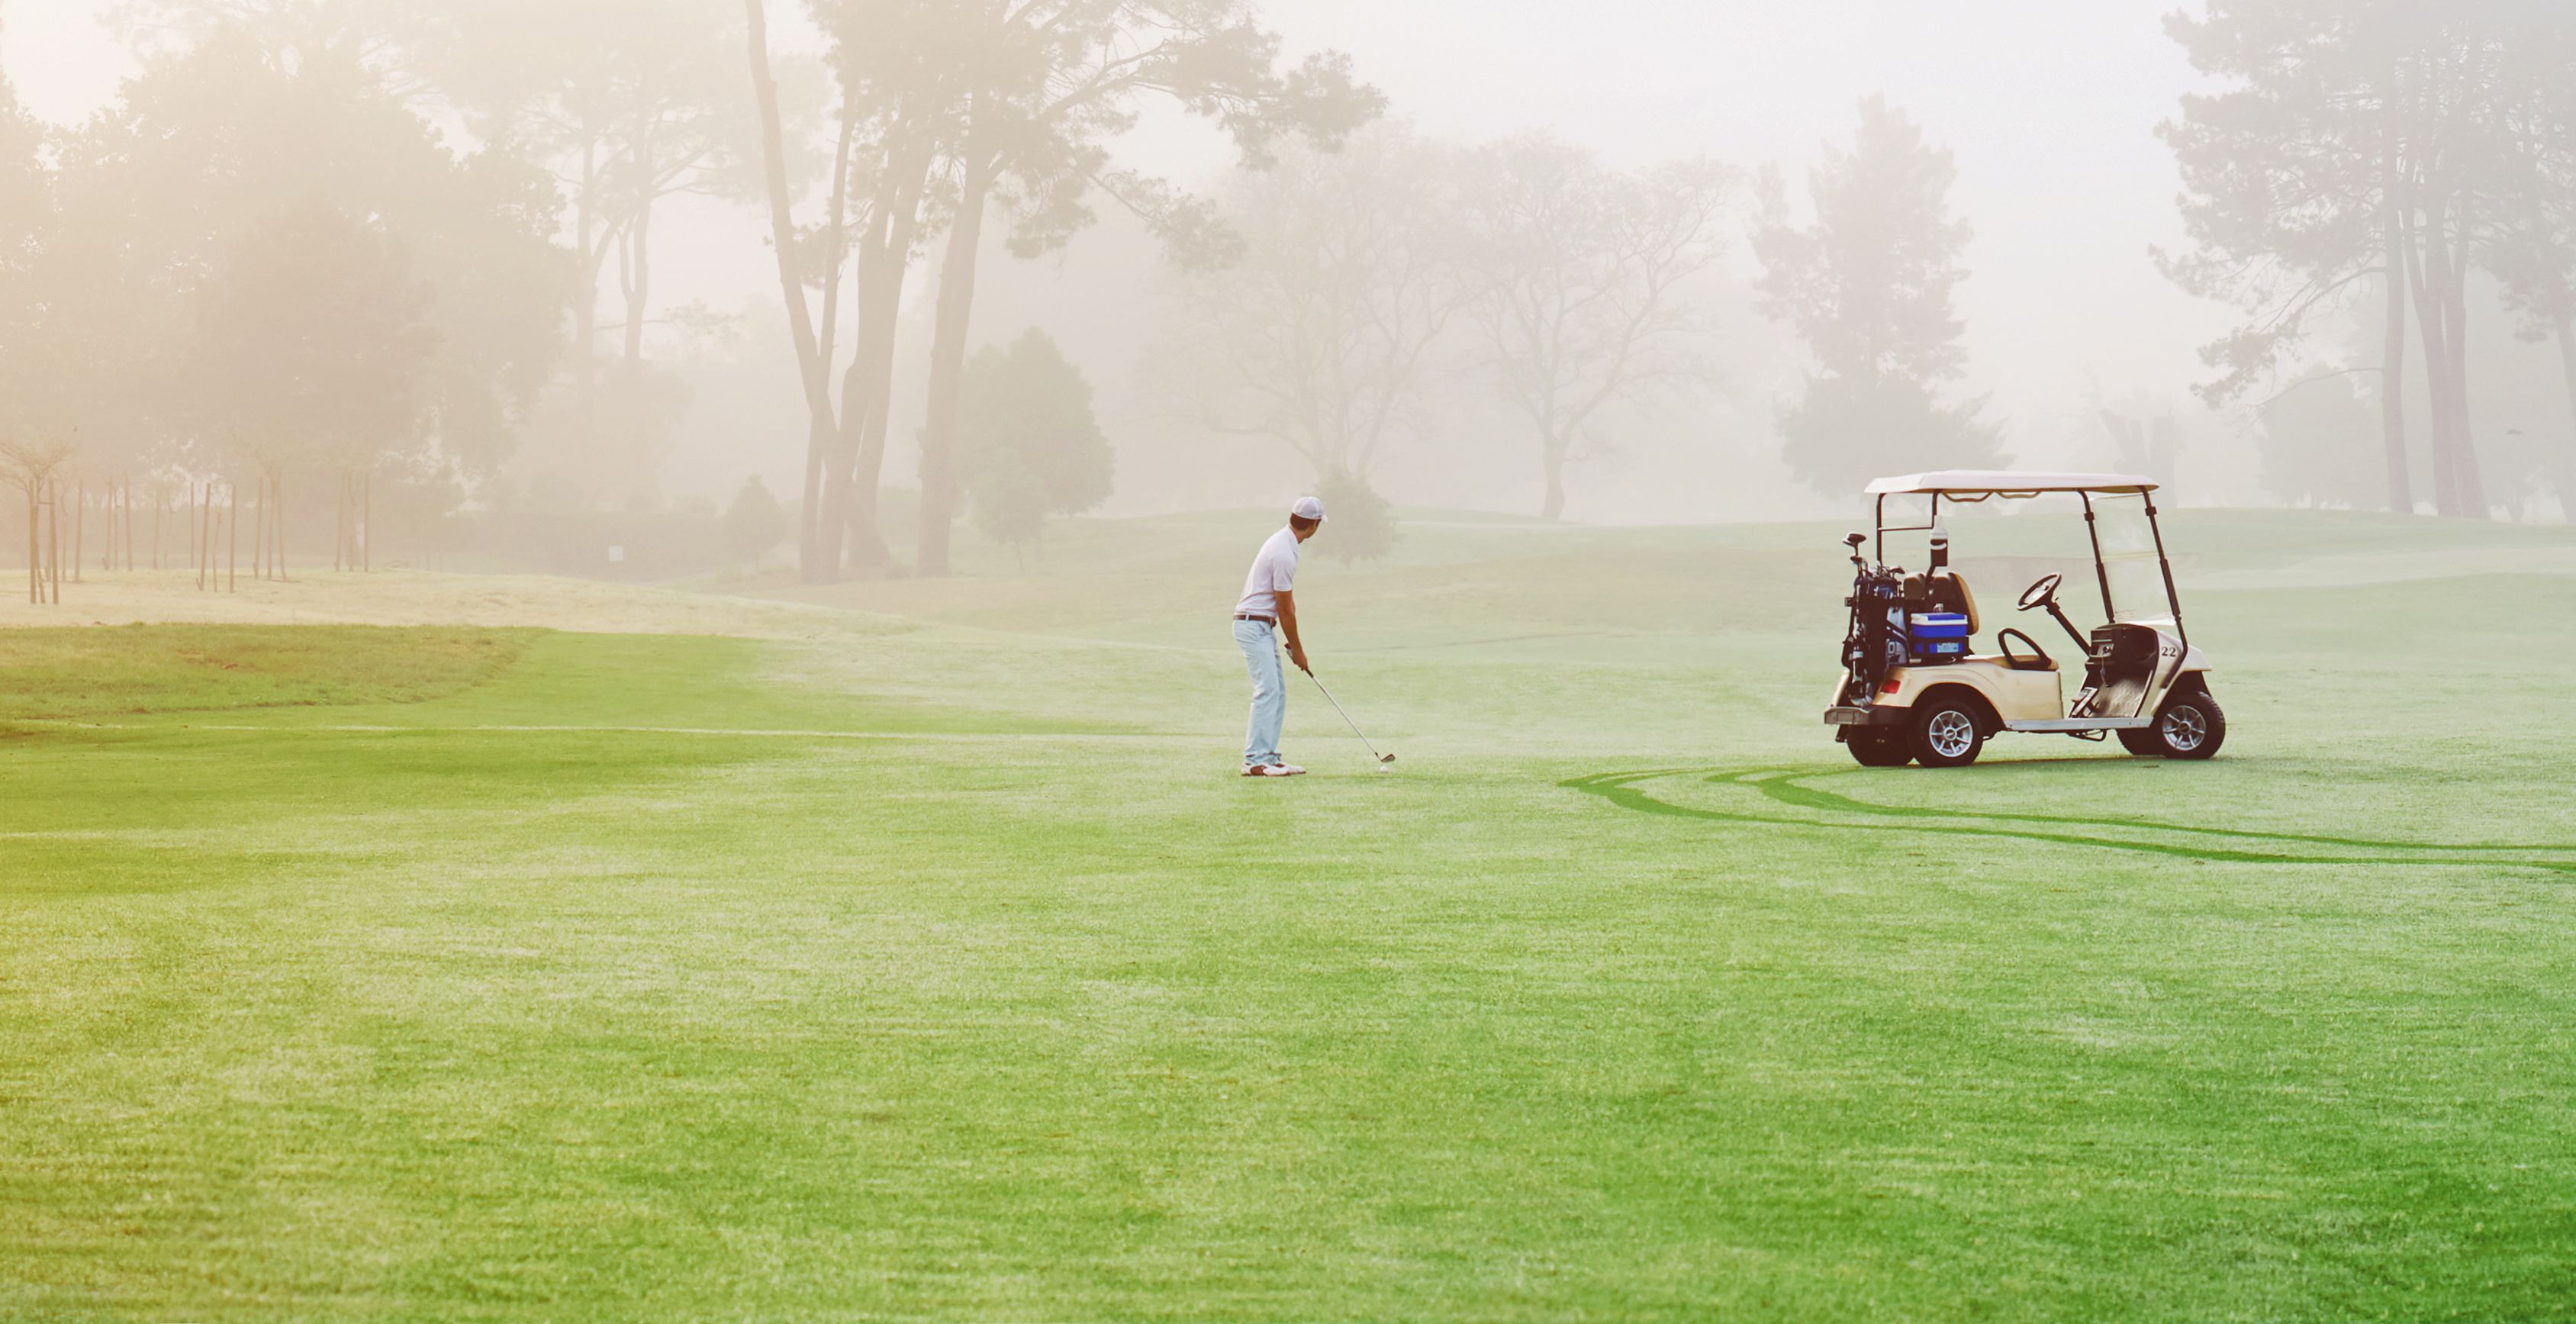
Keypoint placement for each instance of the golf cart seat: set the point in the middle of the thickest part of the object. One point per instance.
(2016, 663)
(1947, 592)
(2029, 657)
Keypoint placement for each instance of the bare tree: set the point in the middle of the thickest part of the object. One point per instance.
(1585, 272)
(1349, 274)
(31, 465)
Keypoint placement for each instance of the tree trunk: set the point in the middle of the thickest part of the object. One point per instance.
(2392, 369)
(232, 536)
(54, 539)
(834, 517)
(814, 566)
(2464, 444)
(638, 282)
(2564, 469)
(2442, 311)
(867, 393)
(277, 525)
(1551, 458)
(814, 519)
(2424, 258)
(585, 312)
(948, 367)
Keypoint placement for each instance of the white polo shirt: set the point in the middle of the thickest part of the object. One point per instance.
(1274, 571)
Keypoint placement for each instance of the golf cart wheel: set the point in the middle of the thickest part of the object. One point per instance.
(2189, 727)
(1879, 747)
(1947, 732)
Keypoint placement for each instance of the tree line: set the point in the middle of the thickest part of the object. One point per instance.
(355, 247)
(267, 257)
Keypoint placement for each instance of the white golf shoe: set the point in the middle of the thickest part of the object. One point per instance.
(1271, 770)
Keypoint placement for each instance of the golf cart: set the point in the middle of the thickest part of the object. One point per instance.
(1914, 689)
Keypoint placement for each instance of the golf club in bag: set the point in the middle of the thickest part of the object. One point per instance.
(1382, 759)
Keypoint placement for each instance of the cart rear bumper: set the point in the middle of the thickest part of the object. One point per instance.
(1872, 716)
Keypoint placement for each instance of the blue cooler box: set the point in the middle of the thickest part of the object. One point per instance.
(1937, 636)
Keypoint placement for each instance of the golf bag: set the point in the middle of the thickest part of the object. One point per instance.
(1875, 643)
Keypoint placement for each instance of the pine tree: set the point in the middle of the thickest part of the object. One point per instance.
(1868, 287)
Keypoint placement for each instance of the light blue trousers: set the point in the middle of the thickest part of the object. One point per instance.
(1269, 692)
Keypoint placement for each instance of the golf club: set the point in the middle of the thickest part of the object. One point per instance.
(1382, 759)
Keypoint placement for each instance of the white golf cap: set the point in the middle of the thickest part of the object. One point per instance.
(1308, 508)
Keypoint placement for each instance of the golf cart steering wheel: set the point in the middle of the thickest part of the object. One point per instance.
(2037, 595)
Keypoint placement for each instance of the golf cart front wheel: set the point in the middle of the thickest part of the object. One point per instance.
(2190, 726)
(1946, 734)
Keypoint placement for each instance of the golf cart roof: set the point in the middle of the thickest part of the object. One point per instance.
(1978, 484)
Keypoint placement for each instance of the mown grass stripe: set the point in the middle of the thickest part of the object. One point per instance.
(1619, 789)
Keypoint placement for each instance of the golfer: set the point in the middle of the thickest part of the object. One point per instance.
(1269, 608)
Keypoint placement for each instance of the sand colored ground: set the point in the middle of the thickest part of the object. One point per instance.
(421, 597)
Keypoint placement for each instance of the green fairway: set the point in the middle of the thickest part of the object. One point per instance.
(953, 974)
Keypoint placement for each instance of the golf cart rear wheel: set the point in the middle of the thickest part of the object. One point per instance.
(1946, 733)
(2190, 726)
(1879, 747)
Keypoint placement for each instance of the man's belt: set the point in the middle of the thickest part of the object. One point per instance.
(1263, 619)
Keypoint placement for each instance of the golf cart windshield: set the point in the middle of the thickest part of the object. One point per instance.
(2135, 589)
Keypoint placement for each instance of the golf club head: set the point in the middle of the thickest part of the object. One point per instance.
(1384, 759)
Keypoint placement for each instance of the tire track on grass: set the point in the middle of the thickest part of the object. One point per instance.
(1781, 786)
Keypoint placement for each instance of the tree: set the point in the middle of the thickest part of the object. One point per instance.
(1349, 274)
(1034, 89)
(26, 193)
(845, 441)
(895, 108)
(1359, 525)
(2386, 141)
(311, 346)
(754, 523)
(1868, 287)
(627, 103)
(26, 217)
(2536, 261)
(1027, 444)
(30, 465)
(2306, 443)
(2294, 183)
(959, 107)
(212, 144)
(1584, 272)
